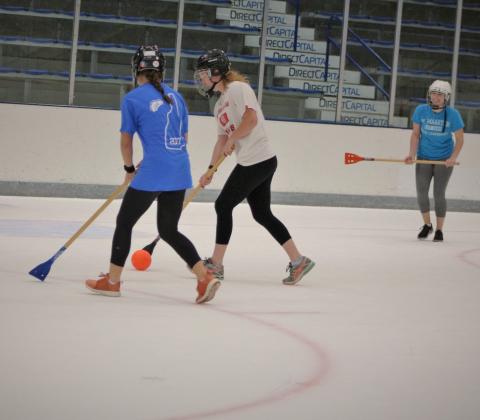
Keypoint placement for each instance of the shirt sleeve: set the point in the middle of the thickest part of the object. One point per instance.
(244, 96)
(456, 121)
(128, 118)
(417, 115)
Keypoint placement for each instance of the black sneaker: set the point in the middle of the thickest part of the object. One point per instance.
(438, 237)
(426, 230)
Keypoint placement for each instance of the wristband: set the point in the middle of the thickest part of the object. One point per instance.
(210, 167)
(129, 169)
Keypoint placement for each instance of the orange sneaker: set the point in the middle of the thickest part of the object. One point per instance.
(103, 286)
(207, 287)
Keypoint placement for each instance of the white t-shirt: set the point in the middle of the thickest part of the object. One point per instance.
(229, 111)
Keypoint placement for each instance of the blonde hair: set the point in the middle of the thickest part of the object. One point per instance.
(235, 76)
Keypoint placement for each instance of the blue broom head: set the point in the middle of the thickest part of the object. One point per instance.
(41, 271)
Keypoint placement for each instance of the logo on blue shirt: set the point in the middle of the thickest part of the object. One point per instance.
(155, 104)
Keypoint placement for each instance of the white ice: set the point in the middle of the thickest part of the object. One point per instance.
(385, 327)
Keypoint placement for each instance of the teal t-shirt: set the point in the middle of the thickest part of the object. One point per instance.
(436, 144)
(162, 128)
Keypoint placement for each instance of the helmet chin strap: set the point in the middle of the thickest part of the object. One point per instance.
(211, 91)
(436, 107)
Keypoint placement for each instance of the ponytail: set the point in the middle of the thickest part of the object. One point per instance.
(155, 78)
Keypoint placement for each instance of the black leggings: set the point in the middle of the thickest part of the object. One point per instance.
(169, 207)
(253, 183)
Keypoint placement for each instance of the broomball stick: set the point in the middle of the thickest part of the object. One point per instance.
(351, 158)
(41, 271)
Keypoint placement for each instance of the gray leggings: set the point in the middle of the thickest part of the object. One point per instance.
(423, 177)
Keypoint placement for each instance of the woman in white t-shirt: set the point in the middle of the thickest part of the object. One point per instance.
(241, 128)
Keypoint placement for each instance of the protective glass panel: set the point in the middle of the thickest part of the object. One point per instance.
(300, 72)
(426, 47)
(368, 64)
(110, 32)
(467, 99)
(35, 44)
(221, 25)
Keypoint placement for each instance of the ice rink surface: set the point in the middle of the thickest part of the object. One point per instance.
(385, 327)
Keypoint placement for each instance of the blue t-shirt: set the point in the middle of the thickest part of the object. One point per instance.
(434, 143)
(162, 128)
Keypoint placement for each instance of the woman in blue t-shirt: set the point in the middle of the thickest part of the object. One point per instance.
(160, 117)
(431, 139)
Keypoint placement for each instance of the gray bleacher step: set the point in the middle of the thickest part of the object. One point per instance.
(286, 44)
(358, 118)
(348, 105)
(253, 16)
(43, 75)
(304, 59)
(330, 89)
(400, 122)
(249, 14)
(315, 74)
(115, 48)
(307, 34)
(275, 5)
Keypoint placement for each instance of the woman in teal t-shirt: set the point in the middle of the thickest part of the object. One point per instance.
(434, 124)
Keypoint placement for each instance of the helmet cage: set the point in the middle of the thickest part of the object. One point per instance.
(199, 77)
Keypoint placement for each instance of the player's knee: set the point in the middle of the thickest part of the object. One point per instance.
(222, 206)
(167, 234)
(263, 218)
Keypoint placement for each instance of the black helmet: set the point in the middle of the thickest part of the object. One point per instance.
(216, 61)
(147, 58)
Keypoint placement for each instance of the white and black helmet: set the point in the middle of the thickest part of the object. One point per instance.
(216, 61)
(442, 87)
(212, 63)
(147, 57)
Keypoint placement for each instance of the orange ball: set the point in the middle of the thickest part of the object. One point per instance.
(141, 259)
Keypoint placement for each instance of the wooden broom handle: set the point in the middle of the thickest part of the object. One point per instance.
(430, 162)
(210, 172)
(110, 198)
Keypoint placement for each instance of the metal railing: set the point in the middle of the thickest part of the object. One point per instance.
(360, 68)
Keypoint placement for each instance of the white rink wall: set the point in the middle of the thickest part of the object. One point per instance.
(80, 146)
